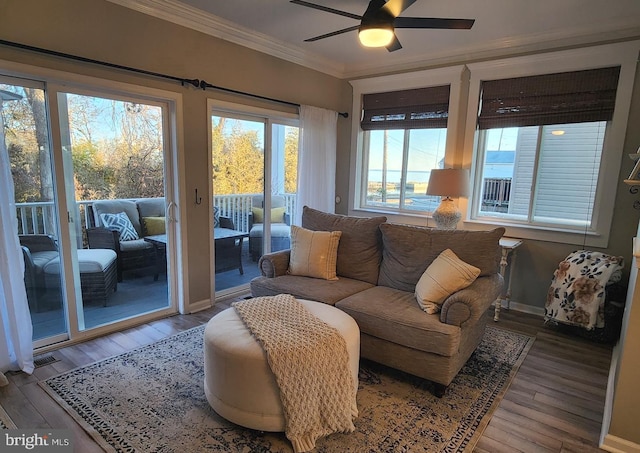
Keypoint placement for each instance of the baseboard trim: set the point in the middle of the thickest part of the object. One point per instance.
(524, 308)
(616, 444)
(199, 306)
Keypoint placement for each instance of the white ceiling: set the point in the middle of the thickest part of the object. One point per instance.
(502, 27)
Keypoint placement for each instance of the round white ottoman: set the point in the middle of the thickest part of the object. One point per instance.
(238, 382)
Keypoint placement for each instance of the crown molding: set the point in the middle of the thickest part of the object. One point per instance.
(625, 30)
(187, 16)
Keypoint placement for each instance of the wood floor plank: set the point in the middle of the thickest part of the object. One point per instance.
(569, 406)
(50, 410)
(529, 435)
(533, 385)
(545, 427)
(566, 420)
(514, 440)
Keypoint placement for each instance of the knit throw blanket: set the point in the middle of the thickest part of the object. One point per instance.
(577, 293)
(311, 365)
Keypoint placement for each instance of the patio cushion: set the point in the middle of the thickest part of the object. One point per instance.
(40, 259)
(278, 230)
(90, 261)
(151, 207)
(137, 244)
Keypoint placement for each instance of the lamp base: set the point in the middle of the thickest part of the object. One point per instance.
(447, 215)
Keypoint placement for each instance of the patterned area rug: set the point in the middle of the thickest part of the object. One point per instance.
(5, 420)
(152, 400)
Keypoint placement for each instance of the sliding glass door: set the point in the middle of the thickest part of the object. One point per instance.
(91, 206)
(254, 157)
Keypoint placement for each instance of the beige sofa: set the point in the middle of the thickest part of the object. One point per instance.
(378, 267)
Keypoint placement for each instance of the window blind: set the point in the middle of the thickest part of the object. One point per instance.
(420, 108)
(561, 98)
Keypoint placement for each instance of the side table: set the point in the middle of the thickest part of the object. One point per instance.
(509, 247)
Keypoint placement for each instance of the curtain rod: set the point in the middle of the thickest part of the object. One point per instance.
(198, 83)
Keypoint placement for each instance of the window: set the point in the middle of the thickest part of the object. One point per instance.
(405, 137)
(407, 128)
(539, 147)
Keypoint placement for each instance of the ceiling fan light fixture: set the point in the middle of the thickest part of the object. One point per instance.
(375, 36)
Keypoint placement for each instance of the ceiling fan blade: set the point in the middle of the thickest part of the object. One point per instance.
(395, 7)
(394, 45)
(334, 33)
(433, 22)
(326, 9)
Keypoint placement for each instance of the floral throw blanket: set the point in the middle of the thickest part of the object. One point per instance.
(577, 293)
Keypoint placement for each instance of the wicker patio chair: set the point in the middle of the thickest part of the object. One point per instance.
(37, 250)
(127, 259)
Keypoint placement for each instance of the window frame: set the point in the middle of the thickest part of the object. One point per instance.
(452, 76)
(624, 55)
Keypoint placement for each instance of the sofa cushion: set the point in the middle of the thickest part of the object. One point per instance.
(446, 275)
(151, 207)
(409, 250)
(120, 222)
(394, 315)
(327, 291)
(360, 249)
(314, 253)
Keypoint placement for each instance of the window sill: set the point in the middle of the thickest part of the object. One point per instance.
(539, 233)
(532, 232)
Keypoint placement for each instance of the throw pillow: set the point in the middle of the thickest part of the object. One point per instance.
(277, 215)
(154, 225)
(121, 223)
(216, 217)
(444, 276)
(314, 253)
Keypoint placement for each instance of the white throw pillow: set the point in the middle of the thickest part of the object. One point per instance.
(314, 253)
(122, 224)
(446, 275)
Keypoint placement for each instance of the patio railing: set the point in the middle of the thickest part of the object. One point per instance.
(39, 217)
(496, 193)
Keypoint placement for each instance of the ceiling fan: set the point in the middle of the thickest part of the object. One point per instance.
(378, 22)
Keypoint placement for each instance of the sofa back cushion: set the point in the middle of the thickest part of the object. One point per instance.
(408, 251)
(151, 207)
(360, 248)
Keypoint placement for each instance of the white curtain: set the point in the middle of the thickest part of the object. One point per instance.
(316, 161)
(16, 350)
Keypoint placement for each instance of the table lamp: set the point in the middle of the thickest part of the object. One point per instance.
(448, 182)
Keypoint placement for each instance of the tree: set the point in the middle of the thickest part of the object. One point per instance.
(238, 159)
(291, 160)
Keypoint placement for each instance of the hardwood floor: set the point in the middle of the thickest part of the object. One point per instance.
(555, 403)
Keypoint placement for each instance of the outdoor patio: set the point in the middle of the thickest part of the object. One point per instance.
(135, 295)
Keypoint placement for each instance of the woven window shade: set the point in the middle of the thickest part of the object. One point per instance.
(562, 98)
(421, 108)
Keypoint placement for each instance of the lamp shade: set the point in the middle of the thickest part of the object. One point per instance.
(449, 182)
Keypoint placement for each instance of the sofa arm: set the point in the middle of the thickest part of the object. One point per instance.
(274, 264)
(466, 306)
